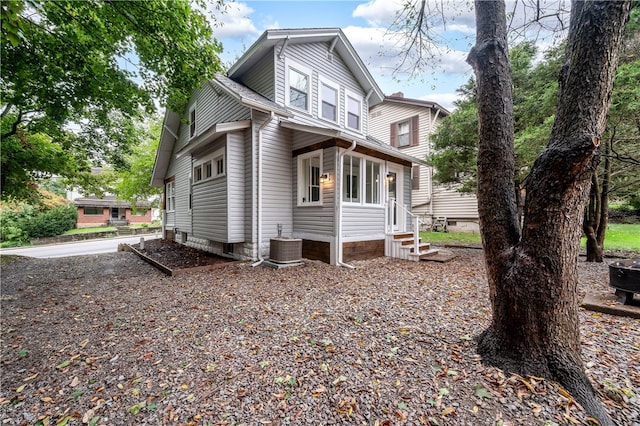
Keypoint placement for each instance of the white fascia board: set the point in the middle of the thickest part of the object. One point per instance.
(212, 133)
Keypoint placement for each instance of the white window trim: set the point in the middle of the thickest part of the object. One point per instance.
(349, 94)
(301, 184)
(170, 188)
(195, 128)
(213, 157)
(288, 64)
(362, 182)
(323, 81)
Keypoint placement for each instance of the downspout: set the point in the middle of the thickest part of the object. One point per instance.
(433, 122)
(259, 167)
(338, 218)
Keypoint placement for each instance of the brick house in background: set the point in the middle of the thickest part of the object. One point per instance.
(108, 211)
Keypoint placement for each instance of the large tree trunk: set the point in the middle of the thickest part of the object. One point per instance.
(533, 277)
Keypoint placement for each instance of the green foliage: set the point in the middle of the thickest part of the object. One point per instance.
(52, 222)
(134, 182)
(76, 75)
(20, 221)
(534, 96)
(13, 215)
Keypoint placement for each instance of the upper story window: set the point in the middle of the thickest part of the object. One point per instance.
(328, 100)
(192, 121)
(405, 133)
(309, 170)
(298, 82)
(354, 111)
(170, 196)
(210, 166)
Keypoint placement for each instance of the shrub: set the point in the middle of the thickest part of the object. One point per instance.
(52, 222)
(13, 215)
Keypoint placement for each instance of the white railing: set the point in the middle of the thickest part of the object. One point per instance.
(390, 213)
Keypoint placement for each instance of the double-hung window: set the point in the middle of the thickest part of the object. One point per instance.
(170, 196)
(328, 100)
(353, 111)
(351, 179)
(405, 133)
(372, 182)
(298, 82)
(309, 170)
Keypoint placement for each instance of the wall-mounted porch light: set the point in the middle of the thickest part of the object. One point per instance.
(324, 177)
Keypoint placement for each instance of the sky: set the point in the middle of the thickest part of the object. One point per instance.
(365, 24)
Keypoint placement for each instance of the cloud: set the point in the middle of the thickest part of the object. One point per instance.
(444, 99)
(234, 22)
(378, 13)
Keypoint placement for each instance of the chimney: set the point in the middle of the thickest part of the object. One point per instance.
(397, 95)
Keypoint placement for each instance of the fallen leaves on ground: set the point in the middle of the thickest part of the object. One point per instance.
(109, 340)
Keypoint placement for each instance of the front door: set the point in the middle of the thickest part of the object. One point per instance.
(394, 197)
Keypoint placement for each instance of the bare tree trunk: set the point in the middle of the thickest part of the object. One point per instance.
(596, 216)
(533, 278)
(592, 214)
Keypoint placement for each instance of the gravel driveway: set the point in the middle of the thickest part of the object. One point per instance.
(107, 339)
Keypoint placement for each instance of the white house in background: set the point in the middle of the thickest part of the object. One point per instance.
(281, 146)
(406, 124)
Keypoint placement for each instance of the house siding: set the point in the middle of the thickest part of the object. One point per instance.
(316, 220)
(381, 117)
(236, 186)
(261, 77)
(429, 199)
(180, 168)
(311, 55)
(209, 202)
(362, 222)
(276, 180)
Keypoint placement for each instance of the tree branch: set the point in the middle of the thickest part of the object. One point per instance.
(14, 126)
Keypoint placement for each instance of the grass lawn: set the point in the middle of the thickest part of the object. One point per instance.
(88, 230)
(441, 238)
(107, 228)
(619, 237)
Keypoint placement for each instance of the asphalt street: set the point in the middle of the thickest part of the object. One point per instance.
(103, 245)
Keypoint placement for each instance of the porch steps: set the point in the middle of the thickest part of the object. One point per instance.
(123, 230)
(401, 246)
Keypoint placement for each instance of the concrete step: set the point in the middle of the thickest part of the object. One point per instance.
(438, 255)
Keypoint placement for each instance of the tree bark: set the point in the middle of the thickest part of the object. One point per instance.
(533, 277)
(590, 226)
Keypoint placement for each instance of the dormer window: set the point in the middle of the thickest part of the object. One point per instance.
(298, 86)
(354, 112)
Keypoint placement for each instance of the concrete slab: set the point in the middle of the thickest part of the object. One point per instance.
(607, 303)
(439, 255)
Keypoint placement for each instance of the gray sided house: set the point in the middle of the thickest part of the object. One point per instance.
(407, 125)
(281, 146)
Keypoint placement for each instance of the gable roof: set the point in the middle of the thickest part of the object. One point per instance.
(371, 144)
(242, 94)
(400, 99)
(338, 43)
